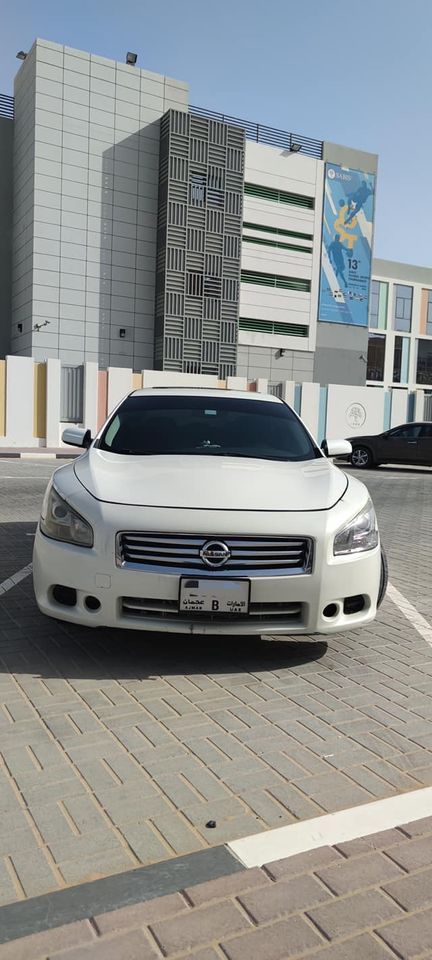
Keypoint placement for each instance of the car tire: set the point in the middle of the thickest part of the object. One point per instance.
(383, 578)
(361, 458)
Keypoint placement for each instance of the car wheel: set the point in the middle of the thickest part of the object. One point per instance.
(361, 457)
(383, 578)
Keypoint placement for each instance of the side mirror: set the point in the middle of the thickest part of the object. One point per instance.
(77, 437)
(336, 448)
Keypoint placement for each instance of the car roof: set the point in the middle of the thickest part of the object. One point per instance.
(412, 423)
(207, 391)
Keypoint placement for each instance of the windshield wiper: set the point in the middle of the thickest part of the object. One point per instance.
(205, 452)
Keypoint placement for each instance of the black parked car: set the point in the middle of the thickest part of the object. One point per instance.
(410, 443)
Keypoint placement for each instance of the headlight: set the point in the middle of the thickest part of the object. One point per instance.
(358, 535)
(60, 522)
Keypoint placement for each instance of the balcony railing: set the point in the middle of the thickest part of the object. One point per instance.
(6, 106)
(262, 134)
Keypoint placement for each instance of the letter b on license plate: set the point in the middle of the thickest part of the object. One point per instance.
(214, 596)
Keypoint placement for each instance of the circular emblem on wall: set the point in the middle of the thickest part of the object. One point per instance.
(355, 415)
(215, 554)
(331, 174)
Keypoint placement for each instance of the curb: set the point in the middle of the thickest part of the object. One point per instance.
(39, 455)
(26, 917)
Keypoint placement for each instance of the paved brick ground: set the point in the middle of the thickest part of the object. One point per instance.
(370, 899)
(116, 750)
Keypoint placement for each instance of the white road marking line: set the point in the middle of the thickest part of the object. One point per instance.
(409, 611)
(332, 828)
(15, 578)
(19, 476)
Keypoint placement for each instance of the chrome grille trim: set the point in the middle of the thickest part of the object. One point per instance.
(148, 608)
(265, 556)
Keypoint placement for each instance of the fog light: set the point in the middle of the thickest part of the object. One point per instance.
(353, 604)
(92, 603)
(67, 596)
(330, 610)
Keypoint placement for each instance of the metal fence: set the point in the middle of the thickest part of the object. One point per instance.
(6, 106)
(427, 415)
(262, 134)
(276, 390)
(72, 394)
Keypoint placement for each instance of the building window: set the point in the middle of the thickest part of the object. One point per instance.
(401, 360)
(378, 305)
(278, 329)
(402, 308)
(429, 315)
(275, 280)
(376, 357)
(424, 361)
(279, 196)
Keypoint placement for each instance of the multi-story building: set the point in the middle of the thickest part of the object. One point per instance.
(400, 326)
(150, 233)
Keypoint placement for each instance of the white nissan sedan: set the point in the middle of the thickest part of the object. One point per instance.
(209, 512)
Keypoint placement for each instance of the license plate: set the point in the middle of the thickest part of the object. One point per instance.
(214, 596)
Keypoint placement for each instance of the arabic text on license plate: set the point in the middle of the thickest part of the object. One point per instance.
(214, 596)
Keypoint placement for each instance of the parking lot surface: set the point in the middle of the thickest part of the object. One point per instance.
(118, 748)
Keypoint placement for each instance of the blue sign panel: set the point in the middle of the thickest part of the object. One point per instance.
(346, 254)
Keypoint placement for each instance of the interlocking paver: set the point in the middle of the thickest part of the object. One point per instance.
(49, 942)
(133, 945)
(354, 913)
(284, 898)
(311, 860)
(199, 926)
(364, 947)
(411, 936)
(229, 886)
(373, 869)
(141, 913)
(414, 855)
(281, 940)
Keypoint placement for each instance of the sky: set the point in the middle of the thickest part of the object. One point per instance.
(355, 73)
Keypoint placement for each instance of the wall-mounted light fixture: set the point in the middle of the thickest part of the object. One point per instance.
(21, 55)
(131, 58)
(122, 333)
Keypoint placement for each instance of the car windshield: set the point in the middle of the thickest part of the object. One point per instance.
(207, 426)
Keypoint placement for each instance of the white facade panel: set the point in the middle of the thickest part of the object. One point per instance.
(95, 183)
(278, 169)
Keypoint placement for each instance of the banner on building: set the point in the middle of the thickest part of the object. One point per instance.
(346, 253)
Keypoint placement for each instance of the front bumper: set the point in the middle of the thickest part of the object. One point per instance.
(290, 605)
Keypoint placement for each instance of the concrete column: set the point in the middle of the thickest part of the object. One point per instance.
(237, 383)
(399, 407)
(419, 405)
(119, 385)
(90, 413)
(309, 410)
(19, 402)
(53, 374)
(288, 392)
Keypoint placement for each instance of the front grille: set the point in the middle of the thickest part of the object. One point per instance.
(178, 553)
(146, 608)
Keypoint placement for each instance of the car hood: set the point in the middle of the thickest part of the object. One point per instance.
(210, 483)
